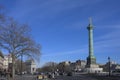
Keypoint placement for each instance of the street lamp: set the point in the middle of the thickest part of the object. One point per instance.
(109, 65)
(53, 67)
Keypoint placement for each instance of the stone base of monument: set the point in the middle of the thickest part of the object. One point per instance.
(93, 68)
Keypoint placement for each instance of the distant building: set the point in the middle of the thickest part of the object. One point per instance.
(30, 66)
(1, 60)
(113, 66)
(79, 65)
(7, 61)
(66, 63)
(73, 66)
(64, 66)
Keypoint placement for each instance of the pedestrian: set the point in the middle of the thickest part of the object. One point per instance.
(53, 75)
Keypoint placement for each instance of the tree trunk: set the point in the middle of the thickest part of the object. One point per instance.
(13, 67)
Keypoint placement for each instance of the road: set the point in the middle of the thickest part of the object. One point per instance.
(19, 77)
(74, 77)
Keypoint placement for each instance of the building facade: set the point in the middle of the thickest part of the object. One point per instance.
(7, 60)
(1, 60)
(113, 66)
(30, 66)
(77, 66)
(80, 65)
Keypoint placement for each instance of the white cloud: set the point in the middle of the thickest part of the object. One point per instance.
(46, 8)
(108, 42)
(78, 51)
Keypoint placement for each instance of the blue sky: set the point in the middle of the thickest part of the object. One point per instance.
(60, 27)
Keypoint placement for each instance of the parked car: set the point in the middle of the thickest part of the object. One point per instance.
(69, 74)
(41, 76)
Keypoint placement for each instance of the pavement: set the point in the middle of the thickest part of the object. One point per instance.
(32, 77)
(74, 77)
(64, 77)
(19, 77)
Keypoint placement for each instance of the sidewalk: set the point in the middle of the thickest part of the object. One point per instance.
(3, 78)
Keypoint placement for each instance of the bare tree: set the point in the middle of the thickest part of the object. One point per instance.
(49, 67)
(2, 14)
(16, 39)
(63, 68)
(18, 67)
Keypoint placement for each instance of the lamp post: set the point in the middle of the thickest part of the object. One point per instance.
(53, 67)
(109, 66)
(53, 70)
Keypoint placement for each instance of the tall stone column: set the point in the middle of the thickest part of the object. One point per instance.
(91, 58)
(91, 66)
